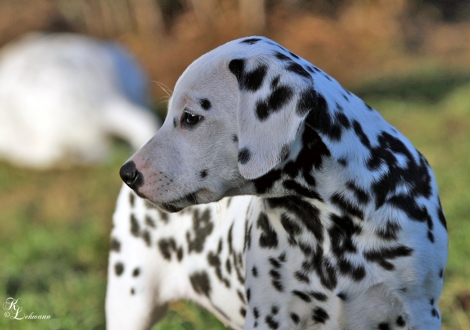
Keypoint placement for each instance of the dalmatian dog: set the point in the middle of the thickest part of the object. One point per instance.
(63, 96)
(333, 216)
(159, 257)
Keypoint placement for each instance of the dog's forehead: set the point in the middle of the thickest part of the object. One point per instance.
(210, 74)
(197, 81)
(214, 64)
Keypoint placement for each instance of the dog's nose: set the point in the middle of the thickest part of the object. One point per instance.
(130, 175)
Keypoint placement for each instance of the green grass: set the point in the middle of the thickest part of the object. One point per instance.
(54, 225)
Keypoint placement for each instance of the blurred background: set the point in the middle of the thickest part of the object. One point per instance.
(409, 59)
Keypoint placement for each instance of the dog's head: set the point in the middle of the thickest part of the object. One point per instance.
(235, 115)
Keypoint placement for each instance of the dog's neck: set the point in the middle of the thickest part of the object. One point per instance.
(312, 172)
(355, 174)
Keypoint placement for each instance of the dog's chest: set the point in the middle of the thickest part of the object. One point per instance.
(304, 264)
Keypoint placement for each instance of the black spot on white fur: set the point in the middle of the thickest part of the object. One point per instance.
(282, 57)
(205, 104)
(248, 80)
(383, 326)
(201, 283)
(346, 205)
(214, 261)
(342, 296)
(295, 318)
(294, 55)
(119, 268)
(389, 231)
(298, 69)
(384, 256)
(320, 315)
(237, 66)
(268, 238)
(278, 98)
(305, 297)
(202, 228)
(147, 237)
(115, 245)
(244, 155)
(135, 227)
(168, 248)
(136, 272)
(149, 221)
(400, 321)
(271, 322)
(250, 41)
(254, 79)
(275, 82)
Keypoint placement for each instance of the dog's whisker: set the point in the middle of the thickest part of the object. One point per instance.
(164, 87)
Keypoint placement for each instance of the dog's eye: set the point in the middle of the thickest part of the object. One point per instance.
(190, 119)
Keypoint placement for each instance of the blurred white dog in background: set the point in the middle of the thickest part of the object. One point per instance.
(64, 96)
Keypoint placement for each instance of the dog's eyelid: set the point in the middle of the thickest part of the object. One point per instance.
(190, 112)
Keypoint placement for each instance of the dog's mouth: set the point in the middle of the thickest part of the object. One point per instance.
(200, 196)
(176, 205)
(170, 208)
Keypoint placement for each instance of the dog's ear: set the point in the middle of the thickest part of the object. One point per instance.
(274, 99)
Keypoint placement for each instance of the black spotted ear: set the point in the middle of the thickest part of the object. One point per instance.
(272, 104)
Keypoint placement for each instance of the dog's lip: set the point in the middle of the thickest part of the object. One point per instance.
(177, 205)
(164, 206)
(169, 207)
(190, 197)
(200, 196)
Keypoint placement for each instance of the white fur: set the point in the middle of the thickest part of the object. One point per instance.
(162, 281)
(63, 96)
